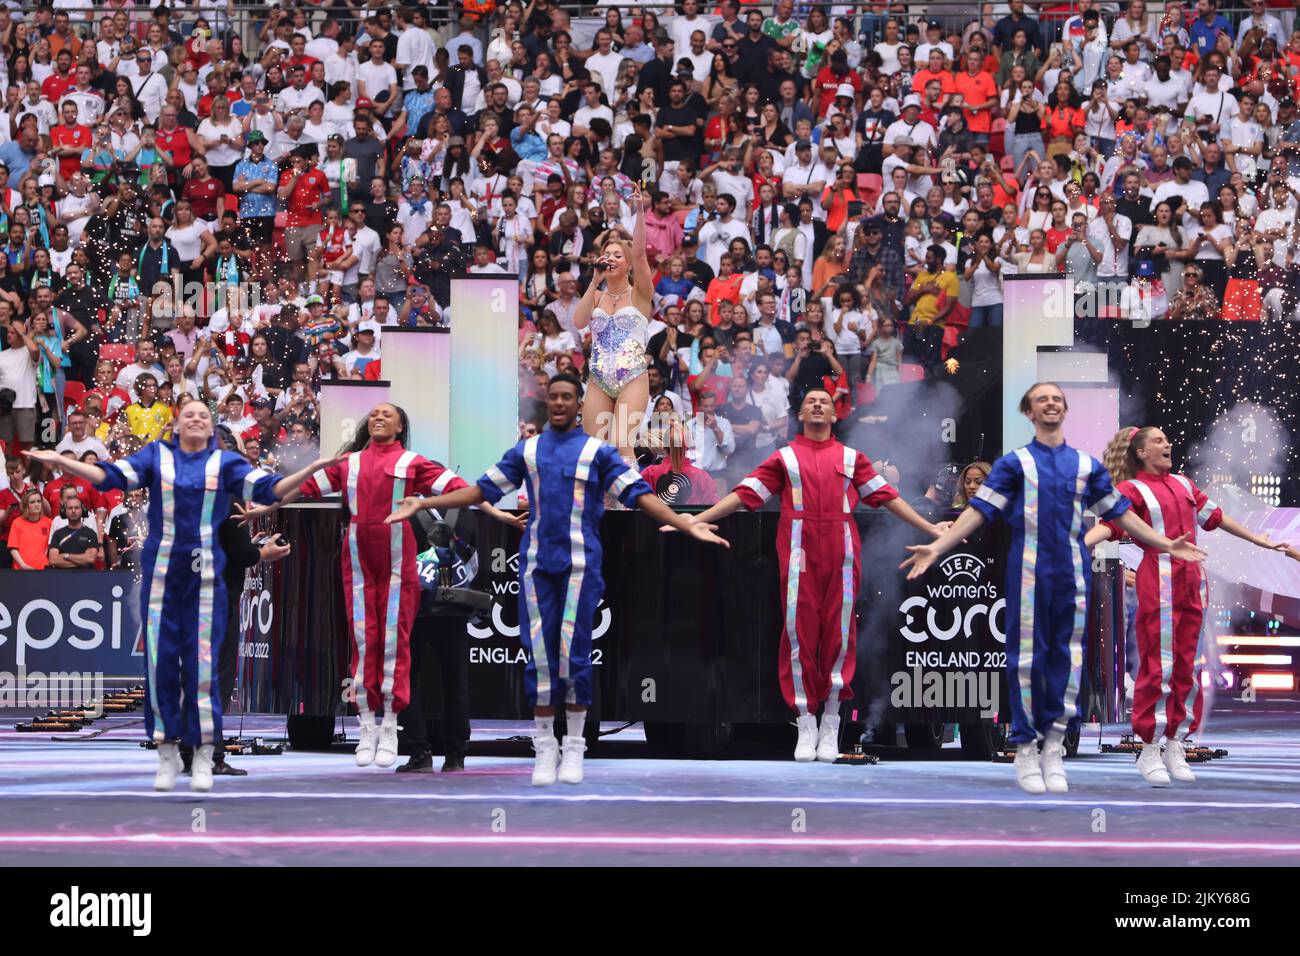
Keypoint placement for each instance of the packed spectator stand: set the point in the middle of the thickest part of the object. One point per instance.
(232, 202)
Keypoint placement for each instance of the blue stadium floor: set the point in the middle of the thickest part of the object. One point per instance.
(88, 801)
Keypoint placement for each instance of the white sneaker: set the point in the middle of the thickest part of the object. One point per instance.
(1175, 759)
(1053, 764)
(1028, 774)
(386, 751)
(548, 755)
(571, 760)
(369, 740)
(169, 765)
(1152, 767)
(828, 739)
(201, 769)
(805, 751)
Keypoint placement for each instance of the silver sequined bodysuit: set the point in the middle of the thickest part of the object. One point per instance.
(618, 343)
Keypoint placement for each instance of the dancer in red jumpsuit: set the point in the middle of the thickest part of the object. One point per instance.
(820, 482)
(381, 585)
(1172, 596)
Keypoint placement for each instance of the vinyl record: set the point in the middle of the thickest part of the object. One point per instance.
(673, 488)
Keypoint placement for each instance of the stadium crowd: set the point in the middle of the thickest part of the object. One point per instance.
(230, 204)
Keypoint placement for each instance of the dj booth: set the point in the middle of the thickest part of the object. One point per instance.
(687, 637)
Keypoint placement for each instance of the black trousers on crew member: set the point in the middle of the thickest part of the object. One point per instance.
(447, 638)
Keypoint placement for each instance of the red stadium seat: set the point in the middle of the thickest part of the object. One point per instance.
(74, 393)
(866, 393)
(911, 372)
(117, 352)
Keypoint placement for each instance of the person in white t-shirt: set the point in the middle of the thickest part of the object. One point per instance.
(377, 80)
(911, 127)
(604, 63)
(414, 45)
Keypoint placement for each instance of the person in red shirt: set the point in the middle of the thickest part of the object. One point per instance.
(1060, 229)
(69, 140)
(61, 80)
(304, 190)
(725, 286)
(9, 511)
(831, 77)
(298, 48)
(177, 144)
(218, 85)
(204, 192)
(29, 534)
(54, 488)
(979, 94)
(707, 380)
(675, 479)
(935, 71)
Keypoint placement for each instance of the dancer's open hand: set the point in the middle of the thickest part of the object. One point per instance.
(405, 510)
(701, 531)
(1182, 549)
(923, 555)
(247, 513)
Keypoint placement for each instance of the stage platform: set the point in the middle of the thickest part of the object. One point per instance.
(88, 801)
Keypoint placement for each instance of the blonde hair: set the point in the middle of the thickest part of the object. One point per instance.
(959, 499)
(1121, 458)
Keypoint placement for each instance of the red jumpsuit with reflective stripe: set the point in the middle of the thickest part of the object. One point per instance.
(1171, 605)
(818, 549)
(381, 584)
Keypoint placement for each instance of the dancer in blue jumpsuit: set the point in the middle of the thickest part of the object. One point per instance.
(566, 473)
(1043, 491)
(190, 482)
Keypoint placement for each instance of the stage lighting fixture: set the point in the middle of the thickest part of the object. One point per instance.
(1253, 640)
(1272, 681)
(1267, 488)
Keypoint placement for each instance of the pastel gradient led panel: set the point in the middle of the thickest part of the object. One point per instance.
(343, 407)
(417, 364)
(1038, 311)
(1093, 418)
(484, 372)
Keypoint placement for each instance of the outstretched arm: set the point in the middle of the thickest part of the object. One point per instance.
(460, 498)
(1143, 533)
(904, 512)
(1236, 528)
(730, 503)
(291, 483)
(80, 469)
(652, 505)
(1096, 535)
(642, 274)
(924, 555)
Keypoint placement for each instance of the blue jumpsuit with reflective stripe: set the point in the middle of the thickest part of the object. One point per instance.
(182, 594)
(560, 583)
(1042, 493)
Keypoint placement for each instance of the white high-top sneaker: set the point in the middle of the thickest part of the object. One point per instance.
(548, 755)
(805, 751)
(169, 765)
(828, 739)
(1176, 762)
(1028, 773)
(571, 759)
(201, 768)
(1053, 764)
(369, 740)
(1152, 767)
(386, 751)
